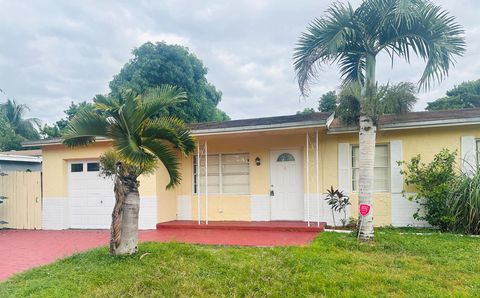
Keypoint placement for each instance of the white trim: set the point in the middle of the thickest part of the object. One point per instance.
(147, 217)
(258, 128)
(55, 213)
(260, 207)
(410, 125)
(344, 162)
(468, 149)
(20, 158)
(403, 210)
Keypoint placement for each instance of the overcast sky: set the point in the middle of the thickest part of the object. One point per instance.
(55, 52)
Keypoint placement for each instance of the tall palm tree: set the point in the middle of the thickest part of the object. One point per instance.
(15, 116)
(140, 139)
(353, 38)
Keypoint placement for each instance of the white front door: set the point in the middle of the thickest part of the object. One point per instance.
(91, 196)
(286, 189)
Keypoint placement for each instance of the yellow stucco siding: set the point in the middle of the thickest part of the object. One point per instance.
(424, 141)
(55, 168)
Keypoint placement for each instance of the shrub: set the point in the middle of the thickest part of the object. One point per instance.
(464, 203)
(433, 182)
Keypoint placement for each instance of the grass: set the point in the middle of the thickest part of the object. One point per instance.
(335, 265)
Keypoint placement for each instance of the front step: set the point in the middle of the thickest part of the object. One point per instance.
(291, 226)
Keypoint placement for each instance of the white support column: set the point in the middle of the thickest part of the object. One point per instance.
(198, 182)
(308, 180)
(317, 178)
(206, 182)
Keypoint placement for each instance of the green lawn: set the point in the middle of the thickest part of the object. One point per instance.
(335, 265)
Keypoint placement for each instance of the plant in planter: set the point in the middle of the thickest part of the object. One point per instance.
(338, 202)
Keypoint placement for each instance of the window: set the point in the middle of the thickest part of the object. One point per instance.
(227, 174)
(381, 174)
(93, 167)
(76, 167)
(285, 157)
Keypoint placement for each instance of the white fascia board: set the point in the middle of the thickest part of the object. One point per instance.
(259, 128)
(20, 158)
(420, 124)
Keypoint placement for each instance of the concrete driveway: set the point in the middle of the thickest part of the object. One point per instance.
(24, 249)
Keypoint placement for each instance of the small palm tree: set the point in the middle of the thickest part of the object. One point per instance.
(390, 99)
(140, 139)
(14, 114)
(354, 37)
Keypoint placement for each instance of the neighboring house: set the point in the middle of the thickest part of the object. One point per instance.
(21, 161)
(259, 170)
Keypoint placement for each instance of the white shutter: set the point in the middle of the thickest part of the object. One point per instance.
(468, 154)
(344, 160)
(396, 155)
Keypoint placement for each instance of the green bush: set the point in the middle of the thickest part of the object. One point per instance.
(433, 182)
(464, 204)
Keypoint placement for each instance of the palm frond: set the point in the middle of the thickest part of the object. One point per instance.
(84, 127)
(324, 42)
(432, 34)
(161, 97)
(173, 130)
(167, 157)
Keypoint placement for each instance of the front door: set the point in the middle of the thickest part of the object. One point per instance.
(286, 189)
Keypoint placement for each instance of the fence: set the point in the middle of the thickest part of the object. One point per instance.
(22, 200)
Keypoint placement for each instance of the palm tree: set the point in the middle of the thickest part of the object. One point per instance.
(140, 139)
(353, 38)
(390, 99)
(15, 116)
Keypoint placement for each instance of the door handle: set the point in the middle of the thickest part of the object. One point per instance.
(272, 193)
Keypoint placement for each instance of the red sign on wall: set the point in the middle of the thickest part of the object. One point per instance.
(365, 209)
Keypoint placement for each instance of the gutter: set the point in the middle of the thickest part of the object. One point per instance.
(20, 158)
(411, 125)
(208, 132)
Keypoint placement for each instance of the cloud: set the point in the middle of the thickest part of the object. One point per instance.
(55, 52)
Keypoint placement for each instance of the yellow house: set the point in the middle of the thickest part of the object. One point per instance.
(263, 169)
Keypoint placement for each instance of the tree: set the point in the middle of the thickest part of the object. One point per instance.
(56, 130)
(8, 139)
(14, 114)
(466, 95)
(354, 37)
(328, 102)
(390, 99)
(160, 63)
(140, 140)
(306, 111)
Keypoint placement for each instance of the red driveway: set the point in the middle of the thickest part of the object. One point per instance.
(23, 249)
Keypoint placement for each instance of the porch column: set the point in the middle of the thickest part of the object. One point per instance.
(206, 182)
(308, 179)
(198, 182)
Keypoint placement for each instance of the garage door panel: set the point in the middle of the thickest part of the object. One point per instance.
(91, 199)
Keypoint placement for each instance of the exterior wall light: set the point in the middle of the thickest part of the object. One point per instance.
(257, 161)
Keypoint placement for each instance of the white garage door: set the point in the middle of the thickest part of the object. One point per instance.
(91, 197)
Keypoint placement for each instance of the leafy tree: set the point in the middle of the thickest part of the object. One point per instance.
(9, 140)
(328, 102)
(390, 99)
(140, 140)
(465, 95)
(354, 37)
(14, 114)
(56, 130)
(432, 183)
(306, 111)
(160, 63)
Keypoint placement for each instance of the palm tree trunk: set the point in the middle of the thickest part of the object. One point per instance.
(367, 136)
(124, 229)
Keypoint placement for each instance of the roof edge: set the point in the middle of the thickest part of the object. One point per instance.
(410, 125)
